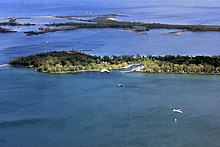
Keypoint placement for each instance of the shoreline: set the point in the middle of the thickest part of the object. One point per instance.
(127, 26)
(76, 61)
(106, 21)
(121, 71)
(6, 30)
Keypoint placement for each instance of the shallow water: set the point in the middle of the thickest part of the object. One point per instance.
(88, 109)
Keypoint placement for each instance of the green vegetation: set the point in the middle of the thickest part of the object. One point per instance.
(48, 30)
(105, 23)
(67, 61)
(75, 61)
(183, 64)
(108, 22)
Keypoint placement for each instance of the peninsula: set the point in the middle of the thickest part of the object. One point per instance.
(102, 21)
(76, 61)
(109, 22)
(12, 21)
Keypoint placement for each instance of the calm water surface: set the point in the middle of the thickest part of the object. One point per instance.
(88, 109)
(111, 42)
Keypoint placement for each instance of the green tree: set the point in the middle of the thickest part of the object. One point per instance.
(58, 68)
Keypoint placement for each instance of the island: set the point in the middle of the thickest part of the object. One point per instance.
(4, 30)
(12, 21)
(107, 22)
(77, 61)
(103, 21)
(16, 24)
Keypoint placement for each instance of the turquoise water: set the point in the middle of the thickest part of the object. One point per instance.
(88, 109)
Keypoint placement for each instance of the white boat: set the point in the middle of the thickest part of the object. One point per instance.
(3, 65)
(120, 85)
(176, 110)
(105, 71)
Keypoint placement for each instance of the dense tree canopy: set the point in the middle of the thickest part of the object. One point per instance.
(73, 61)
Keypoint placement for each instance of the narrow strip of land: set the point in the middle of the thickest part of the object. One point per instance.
(106, 21)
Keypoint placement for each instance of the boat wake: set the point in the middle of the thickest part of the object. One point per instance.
(3, 65)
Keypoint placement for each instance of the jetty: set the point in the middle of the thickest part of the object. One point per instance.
(174, 32)
(133, 68)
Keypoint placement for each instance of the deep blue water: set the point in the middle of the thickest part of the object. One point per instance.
(110, 42)
(88, 109)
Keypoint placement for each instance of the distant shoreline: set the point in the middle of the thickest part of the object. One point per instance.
(102, 21)
(109, 22)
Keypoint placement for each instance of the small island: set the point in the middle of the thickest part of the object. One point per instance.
(4, 30)
(76, 61)
(12, 21)
(16, 24)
